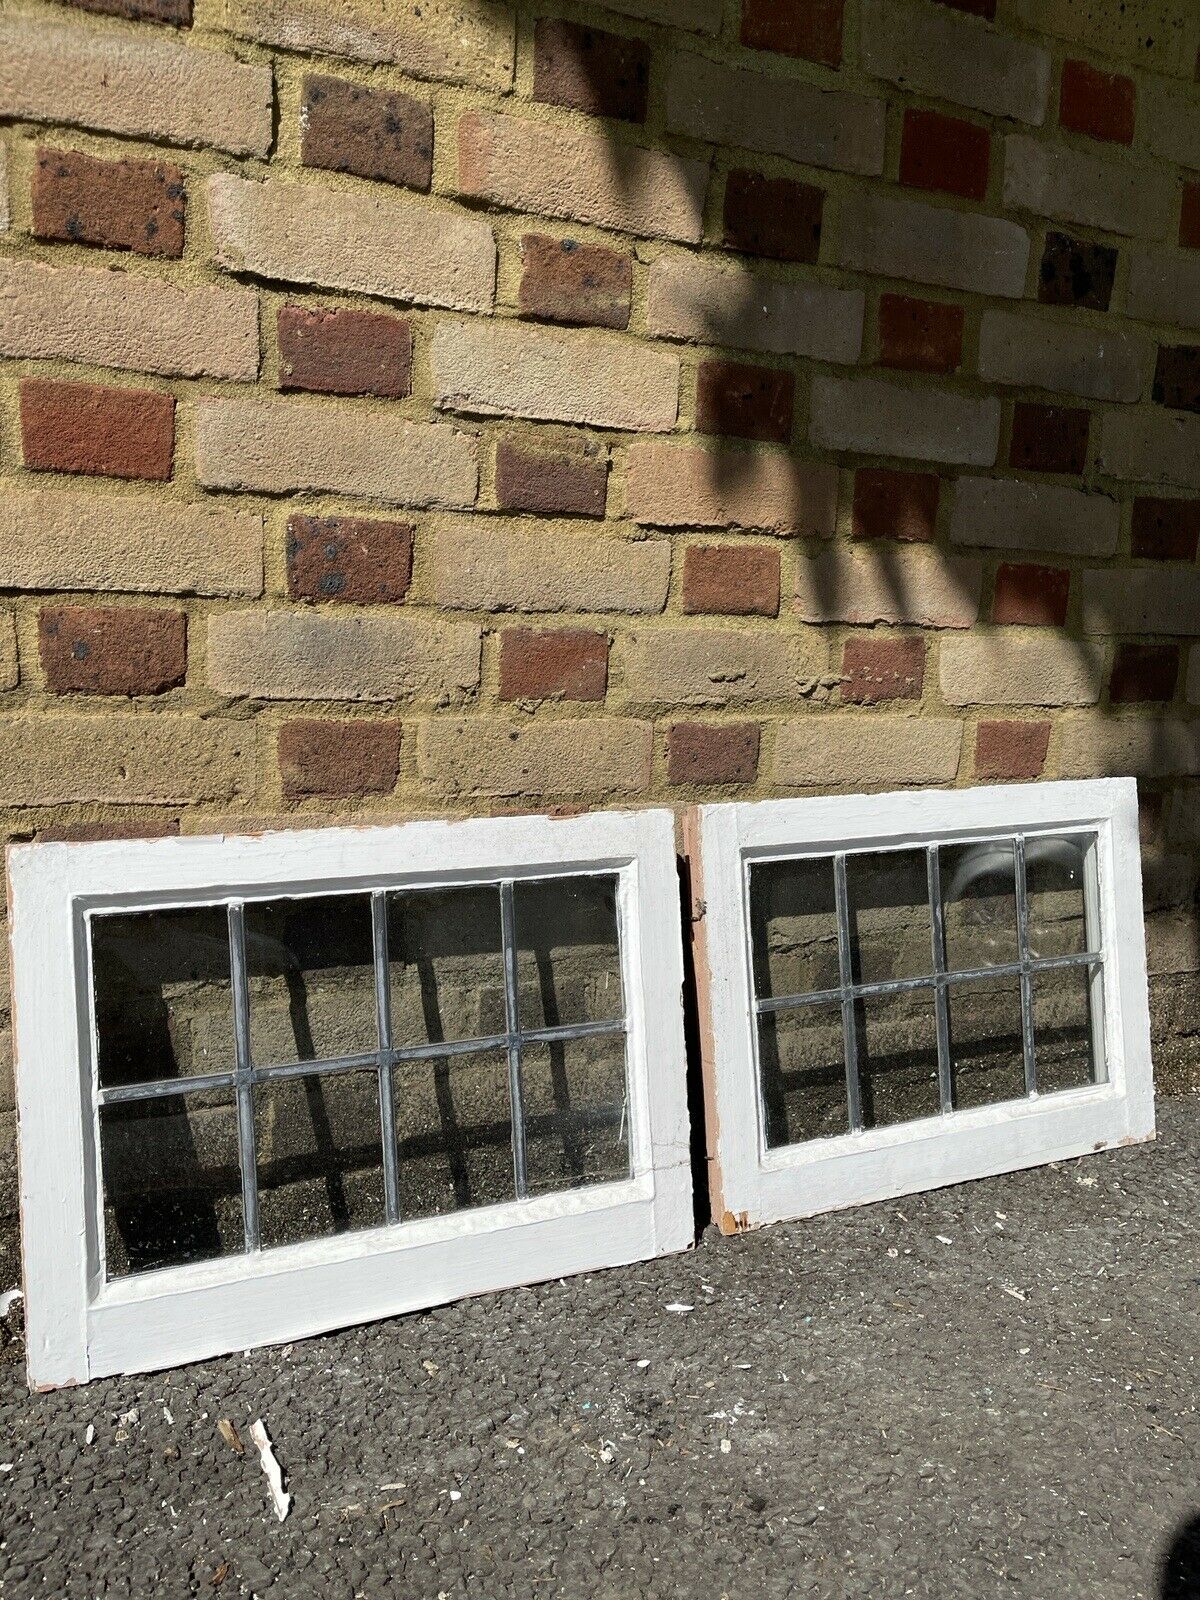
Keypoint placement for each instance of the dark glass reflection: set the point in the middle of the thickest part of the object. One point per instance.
(164, 1006)
(568, 952)
(446, 965)
(793, 927)
(803, 1074)
(890, 924)
(311, 971)
(576, 1113)
(172, 1181)
(320, 1156)
(453, 1133)
(987, 1051)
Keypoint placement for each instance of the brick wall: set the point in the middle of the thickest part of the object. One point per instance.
(485, 406)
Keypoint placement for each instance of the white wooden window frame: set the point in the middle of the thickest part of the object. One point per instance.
(79, 1326)
(751, 1184)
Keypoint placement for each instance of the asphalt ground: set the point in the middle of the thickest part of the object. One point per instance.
(984, 1391)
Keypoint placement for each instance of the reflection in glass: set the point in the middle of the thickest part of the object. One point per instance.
(164, 1007)
(1056, 876)
(1063, 1003)
(793, 927)
(576, 1113)
(979, 899)
(986, 1047)
(311, 971)
(803, 1068)
(172, 1181)
(897, 1057)
(453, 1133)
(446, 965)
(888, 899)
(568, 957)
(320, 1156)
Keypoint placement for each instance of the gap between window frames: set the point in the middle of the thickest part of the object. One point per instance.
(930, 988)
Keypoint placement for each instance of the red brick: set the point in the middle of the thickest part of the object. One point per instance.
(121, 205)
(344, 352)
(748, 402)
(1165, 530)
(1010, 751)
(945, 153)
(973, 8)
(565, 281)
(82, 427)
(178, 12)
(1049, 438)
(373, 133)
(707, 753)
(1076, 272)
(559, 664)
(811, 29)
(338, 759)
(731, 580)
(1189, 217)
(1144, 672)
(357, 560)
(882, 669)
(775, 217)
(1100, 104)
(1177, 377)
(1034, 595)
(126, 650)
(549, 484)
(90, 832)
(606, 74)
(920, 335)
(895, 505)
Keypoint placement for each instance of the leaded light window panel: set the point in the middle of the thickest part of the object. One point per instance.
(912, 989)
(272, 1085)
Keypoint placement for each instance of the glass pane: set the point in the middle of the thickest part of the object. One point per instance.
(576, 1113)
(172, 1182)
(888, 898)
(979, 897)
(446, 965)
(320, 1156)
(803, 1064)
(793, 927)
(986, 1049)
(454, 1133)
(311, 971)
(164, 1006)
(1055, 878)
(897, 1058)
(568, 953)
(1063, 1005)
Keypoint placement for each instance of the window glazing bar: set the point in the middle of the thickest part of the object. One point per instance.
(846, 973)
(1026, 978)
(383, 1007)
(933, 873)
(243, 1082)
(508, 936)
(866, 991)
(157, 1088)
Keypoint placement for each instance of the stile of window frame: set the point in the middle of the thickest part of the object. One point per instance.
(81, 1324)
(753, 1183)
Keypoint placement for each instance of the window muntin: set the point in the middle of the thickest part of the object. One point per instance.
(271, 1071)
(944, 977)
